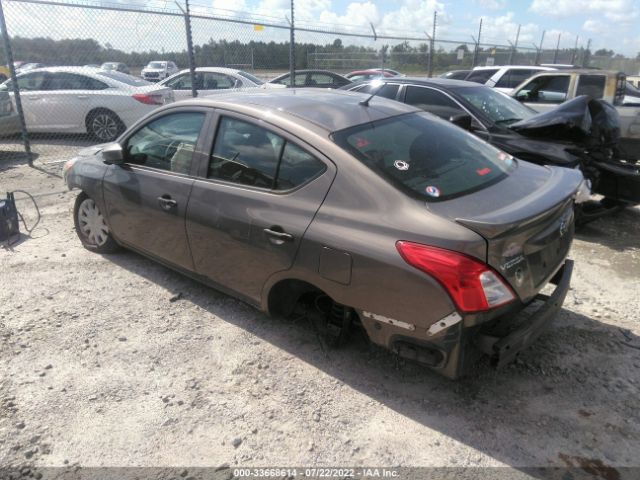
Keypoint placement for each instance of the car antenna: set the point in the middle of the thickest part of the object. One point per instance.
(365, 103)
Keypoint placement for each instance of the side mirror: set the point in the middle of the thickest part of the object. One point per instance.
(522, 96)
(112, 154)
(462, 120)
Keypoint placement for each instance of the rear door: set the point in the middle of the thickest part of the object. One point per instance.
(146, 198)
(68, 99)
(252, 203)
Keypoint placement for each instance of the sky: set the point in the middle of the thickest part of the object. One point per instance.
(611, 24)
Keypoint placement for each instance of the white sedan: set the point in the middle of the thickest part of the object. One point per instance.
(101, 103)
(212, 80)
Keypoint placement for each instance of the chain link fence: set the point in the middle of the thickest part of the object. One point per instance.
(102, 56)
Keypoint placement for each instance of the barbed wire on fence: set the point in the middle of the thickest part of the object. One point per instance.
(89, 33)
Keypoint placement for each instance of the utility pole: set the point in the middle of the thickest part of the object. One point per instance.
(514, 46)
(539, 52)
(14, 85)
(477, 42)
(555, 55)
(292, 49)
(432, 44)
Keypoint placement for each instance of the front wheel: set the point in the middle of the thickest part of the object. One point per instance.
(91, 227)
(104, 126)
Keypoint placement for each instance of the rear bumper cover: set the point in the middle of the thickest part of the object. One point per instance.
(503, 350)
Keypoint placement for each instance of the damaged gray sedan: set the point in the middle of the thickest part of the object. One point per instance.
(377, 215)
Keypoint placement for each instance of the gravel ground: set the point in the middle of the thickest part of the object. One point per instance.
(103, 366)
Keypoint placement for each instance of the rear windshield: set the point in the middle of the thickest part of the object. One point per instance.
(427, 158)
(248, 76)
(124, 78)
(481, 76)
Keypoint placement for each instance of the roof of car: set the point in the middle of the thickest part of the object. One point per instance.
(213, 69)
(331, 110)
(444, 82)
(497, 67)
(67, 69)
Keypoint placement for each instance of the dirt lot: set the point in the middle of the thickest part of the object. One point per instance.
(102, 366)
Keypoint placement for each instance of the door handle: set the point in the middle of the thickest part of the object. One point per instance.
(167, 203)
(277, 235)
(83, 97)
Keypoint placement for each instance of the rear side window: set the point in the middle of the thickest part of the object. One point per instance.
(245, 153)
(386, 91)
(297, 167)
(425, 157)
(481, 76)
(514, 77)
(591, 85)
(71, 81)
(248, 154)
(432, 101)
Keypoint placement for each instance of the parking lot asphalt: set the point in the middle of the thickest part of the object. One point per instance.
(117, 361)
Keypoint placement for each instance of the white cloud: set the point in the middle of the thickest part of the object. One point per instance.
(594, 26)
(625, 11)
(504, 28)
(491, 4)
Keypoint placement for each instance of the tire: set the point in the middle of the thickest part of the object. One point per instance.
(104, 125)
(91, 228)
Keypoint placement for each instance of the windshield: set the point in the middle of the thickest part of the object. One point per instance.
(500, 108)
(425, 157)
(156, 65)
(248, 76)
(124, 78)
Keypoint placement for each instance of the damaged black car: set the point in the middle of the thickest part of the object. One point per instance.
(582, 133)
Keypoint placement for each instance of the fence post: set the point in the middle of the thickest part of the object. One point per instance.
(514, 46)
(14, 83)
(432, 48)
(292, 48)
(539, 52)
(587, 52)
(192, 60)
(475, 50)
(555, 55)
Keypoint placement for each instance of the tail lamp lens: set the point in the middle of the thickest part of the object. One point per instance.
(472, 285)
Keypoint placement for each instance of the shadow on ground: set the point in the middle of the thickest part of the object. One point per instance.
(549, 400)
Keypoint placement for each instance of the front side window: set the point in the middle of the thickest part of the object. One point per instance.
(29, 82)
(425, 157)
(591, 85)
(248, 154)
(433, 101)
(166, 143)
(545, 89)
(216, 81)
(182, 82)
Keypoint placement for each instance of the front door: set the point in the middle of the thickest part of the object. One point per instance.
(146, 198)
(253, 204)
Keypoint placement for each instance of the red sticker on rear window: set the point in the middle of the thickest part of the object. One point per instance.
(483, 171)
(361, 142)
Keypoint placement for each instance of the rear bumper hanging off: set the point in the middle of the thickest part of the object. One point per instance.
(504, 350)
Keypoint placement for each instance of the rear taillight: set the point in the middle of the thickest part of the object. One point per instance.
(148, 99)
(472, 285)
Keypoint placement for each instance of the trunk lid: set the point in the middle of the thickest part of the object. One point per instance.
(527, 220)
